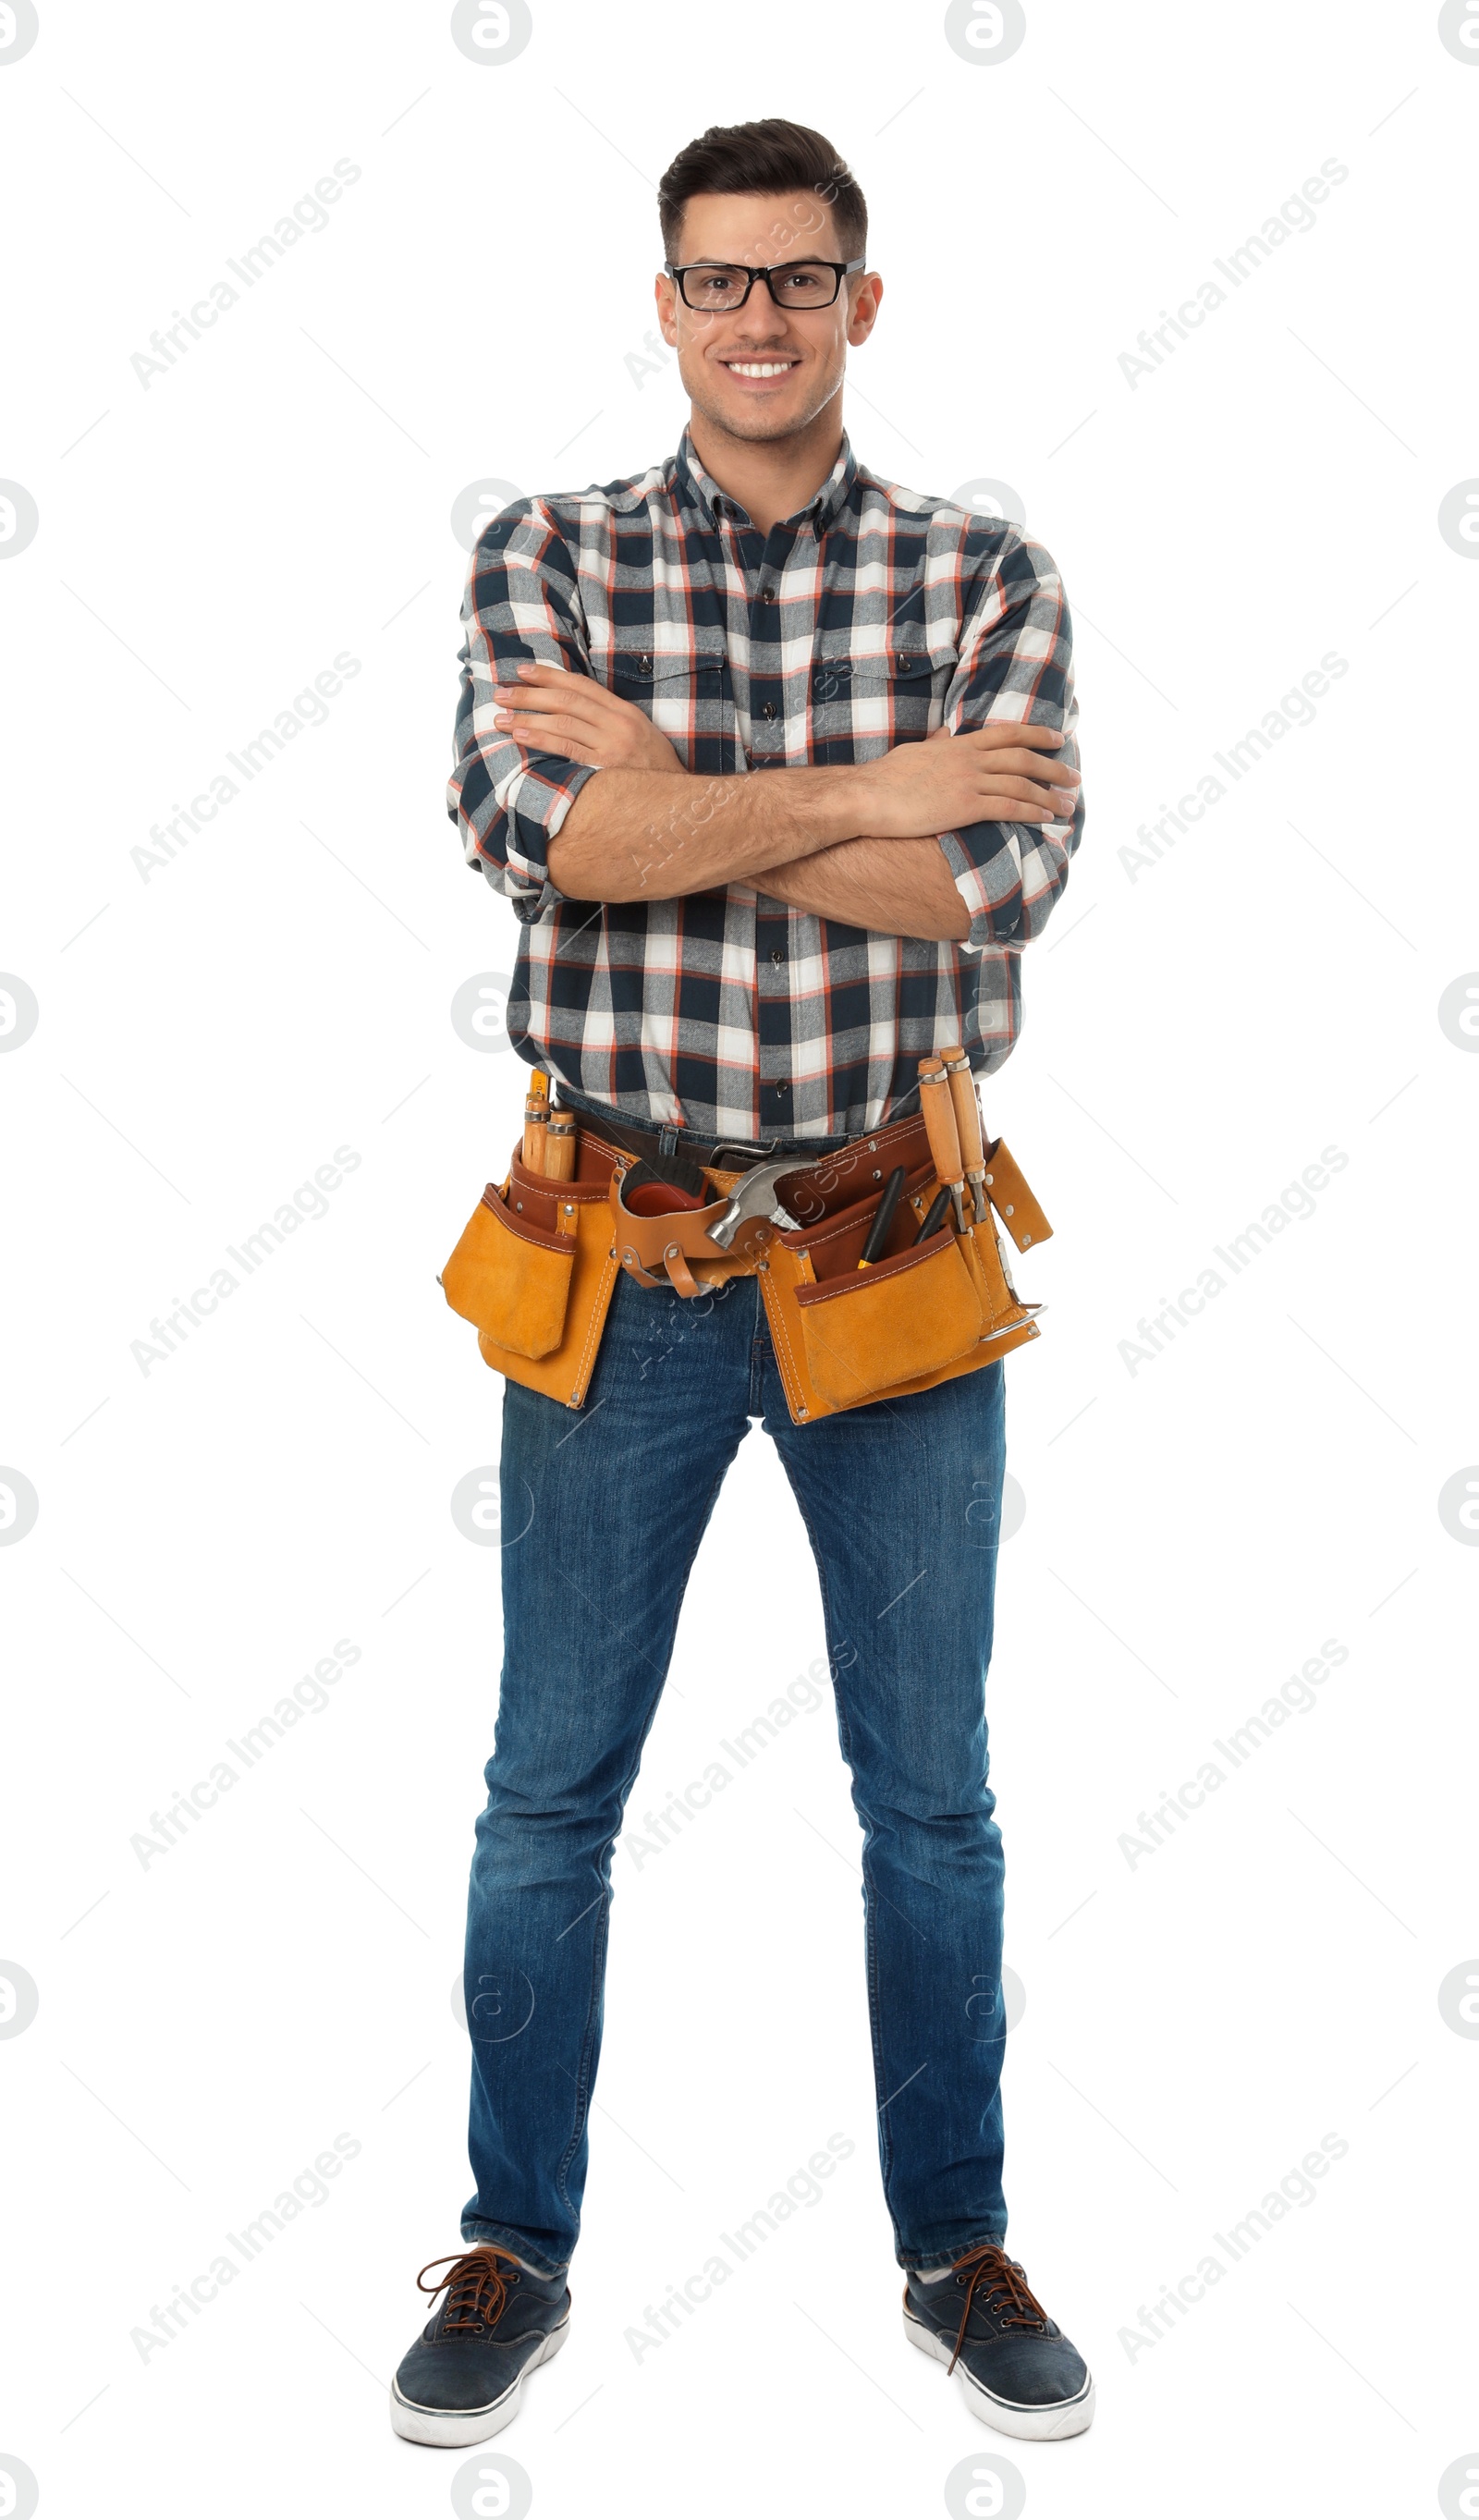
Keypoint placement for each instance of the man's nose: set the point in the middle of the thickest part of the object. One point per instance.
(759, 319)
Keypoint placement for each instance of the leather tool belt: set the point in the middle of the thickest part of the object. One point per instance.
(536, 1268)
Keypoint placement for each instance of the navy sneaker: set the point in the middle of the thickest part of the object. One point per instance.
(1018, 2371)
(462, 2379)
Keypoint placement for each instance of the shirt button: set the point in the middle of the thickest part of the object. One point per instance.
(770, 708)
(767, 595)
(776, 953)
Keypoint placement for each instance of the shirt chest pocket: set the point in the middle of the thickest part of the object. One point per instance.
(863, 702)
(687, 695)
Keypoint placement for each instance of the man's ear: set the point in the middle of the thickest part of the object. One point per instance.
(864, 312)
(666, 297)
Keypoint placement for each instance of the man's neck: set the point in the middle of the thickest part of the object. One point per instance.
(772, 478)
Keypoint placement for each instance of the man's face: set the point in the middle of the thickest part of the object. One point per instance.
(762, 371)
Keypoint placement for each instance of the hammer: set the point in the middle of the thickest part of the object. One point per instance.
(756, 1196)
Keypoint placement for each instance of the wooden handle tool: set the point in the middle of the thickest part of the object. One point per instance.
(968, 1117)
(536, 1118)
(938, 1106)
(559, 1146)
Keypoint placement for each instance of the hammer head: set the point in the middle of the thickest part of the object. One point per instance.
(756, 1196)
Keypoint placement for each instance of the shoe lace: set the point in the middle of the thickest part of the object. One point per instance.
(1005, 2291)
(477, 2288)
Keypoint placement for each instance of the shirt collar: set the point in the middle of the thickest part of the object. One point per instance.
(716, 504)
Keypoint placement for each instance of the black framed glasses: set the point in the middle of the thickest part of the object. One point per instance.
(719, 287)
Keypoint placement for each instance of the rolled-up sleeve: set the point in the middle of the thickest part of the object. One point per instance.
(521, 605)
(1016, 666)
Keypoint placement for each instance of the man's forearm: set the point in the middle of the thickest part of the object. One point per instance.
(647, 835)
(896, 887)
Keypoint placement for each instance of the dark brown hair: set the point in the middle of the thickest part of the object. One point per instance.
(769, 156)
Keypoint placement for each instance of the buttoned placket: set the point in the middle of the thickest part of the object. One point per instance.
(763, 560)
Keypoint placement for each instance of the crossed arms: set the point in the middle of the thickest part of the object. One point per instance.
(562, 788)
(858, 845)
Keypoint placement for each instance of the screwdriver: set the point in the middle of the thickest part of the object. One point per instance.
(968, 1117)
(877, 1231)
(937, 1104)
(935, 1219)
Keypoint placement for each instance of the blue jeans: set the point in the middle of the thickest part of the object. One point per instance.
(602, 1511)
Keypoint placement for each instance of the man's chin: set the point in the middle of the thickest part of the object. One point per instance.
(758, 423)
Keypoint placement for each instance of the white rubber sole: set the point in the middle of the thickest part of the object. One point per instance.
(1023, 2424)
(441, 2429)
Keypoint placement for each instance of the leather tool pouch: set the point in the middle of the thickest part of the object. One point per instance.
(534, 1271)
(536, 1268)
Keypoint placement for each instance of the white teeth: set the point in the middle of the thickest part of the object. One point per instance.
(759, 368)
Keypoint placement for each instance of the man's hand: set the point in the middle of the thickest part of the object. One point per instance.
(990, 774)
(902, 886)
(644, 833)
(551, 711)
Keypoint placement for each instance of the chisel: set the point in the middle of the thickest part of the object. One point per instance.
(884, 1217)
(536, 1117)
(967, 1117)
(559, 1146)
(937, 1104)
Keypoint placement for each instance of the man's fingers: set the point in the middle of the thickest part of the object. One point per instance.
(574, 747)
(994, 807)
(1018, 751)
(1000, 732)
(574, 695)
(1026, 791)
(545, 734)
(553, 686)
(1032, 769)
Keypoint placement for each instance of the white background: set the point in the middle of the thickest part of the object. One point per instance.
(1194, 1529)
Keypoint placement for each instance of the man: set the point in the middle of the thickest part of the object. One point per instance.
(715, 959)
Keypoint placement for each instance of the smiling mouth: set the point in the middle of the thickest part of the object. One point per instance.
(759, 369)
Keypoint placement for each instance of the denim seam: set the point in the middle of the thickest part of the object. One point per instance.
(598, 1951)
(504, 2236)
(914, 2261)
(870, 1948)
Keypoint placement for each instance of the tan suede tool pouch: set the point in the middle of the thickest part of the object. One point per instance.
(922, 1313)
(534, 1272)
(536, 1268)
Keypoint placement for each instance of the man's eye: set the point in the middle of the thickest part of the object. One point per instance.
(805, 279)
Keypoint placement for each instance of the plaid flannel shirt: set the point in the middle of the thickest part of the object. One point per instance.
(868, 619)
